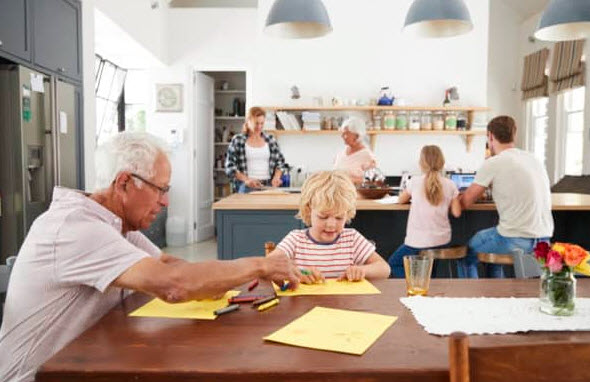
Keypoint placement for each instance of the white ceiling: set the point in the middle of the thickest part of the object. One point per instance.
(526, 8)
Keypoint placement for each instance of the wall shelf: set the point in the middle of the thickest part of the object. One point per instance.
(236, 91)
(375, 110)
(229, 118)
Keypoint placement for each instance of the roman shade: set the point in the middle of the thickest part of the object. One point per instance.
(567, 68)
(534, 80)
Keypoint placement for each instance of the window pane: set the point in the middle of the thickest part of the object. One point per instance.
(540, 137)
(573, 153)
(574, 99)
(134, 117)
(106, 80)
(117, 86)
(136, 87)
(575, 122)
(108, 126)
(540, 107)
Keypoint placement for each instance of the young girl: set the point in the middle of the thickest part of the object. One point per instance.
(326, 249)
(432, 196)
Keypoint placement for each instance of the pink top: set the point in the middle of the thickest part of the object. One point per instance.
(356, 163)
(428, 225)
(332, 259)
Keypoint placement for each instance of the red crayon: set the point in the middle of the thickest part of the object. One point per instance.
(253, 284)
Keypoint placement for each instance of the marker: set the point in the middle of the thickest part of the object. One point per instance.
(262, 301)
(268, 305)
(227, 309)
(253, 285)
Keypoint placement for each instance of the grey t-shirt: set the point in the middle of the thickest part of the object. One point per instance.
(521, 191)
(59, 285)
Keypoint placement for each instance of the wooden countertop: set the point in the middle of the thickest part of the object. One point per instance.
(275, 200)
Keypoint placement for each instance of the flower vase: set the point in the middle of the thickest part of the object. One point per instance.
(558, 292)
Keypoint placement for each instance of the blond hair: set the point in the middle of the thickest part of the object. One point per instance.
(253, 113)
(327, 191)
(432, 162)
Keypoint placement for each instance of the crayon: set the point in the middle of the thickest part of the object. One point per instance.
(268, 305)
(253, 284)
(227, 309)
(262, 300)
(239, 299)
(305, 272)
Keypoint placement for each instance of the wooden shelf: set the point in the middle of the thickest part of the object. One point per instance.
(236, 91)
(229, 118)
(376, 108)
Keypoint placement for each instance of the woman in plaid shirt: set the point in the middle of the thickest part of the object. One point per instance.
(253, 158)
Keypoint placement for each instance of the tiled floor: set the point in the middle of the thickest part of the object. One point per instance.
(205, 250)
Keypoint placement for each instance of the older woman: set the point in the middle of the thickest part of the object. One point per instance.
(356, 157)
(253, 158)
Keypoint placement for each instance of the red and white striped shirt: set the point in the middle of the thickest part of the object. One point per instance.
(332, 259)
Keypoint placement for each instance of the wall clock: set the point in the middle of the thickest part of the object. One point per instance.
(169, 97)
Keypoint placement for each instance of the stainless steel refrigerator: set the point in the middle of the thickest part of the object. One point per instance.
(38, 148)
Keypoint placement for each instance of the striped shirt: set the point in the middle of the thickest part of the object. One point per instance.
(331, 259)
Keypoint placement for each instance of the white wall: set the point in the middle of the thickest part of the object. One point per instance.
(504, 59)
(89, 99)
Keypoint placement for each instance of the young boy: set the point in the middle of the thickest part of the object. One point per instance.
(326, 249)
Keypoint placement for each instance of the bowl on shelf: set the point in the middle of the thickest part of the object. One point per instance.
(373, 192)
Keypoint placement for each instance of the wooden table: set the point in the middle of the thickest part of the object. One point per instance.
(122, 348)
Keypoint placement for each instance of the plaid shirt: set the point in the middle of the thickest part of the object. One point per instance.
(235, 160)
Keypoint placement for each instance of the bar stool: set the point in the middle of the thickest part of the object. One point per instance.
(496, 259)
(525, 265)
(448, 254)
(269, 246)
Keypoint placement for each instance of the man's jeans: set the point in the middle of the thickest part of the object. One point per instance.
(490, 241)
(396, 260)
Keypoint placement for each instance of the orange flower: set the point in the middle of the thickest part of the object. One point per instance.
(573, 254)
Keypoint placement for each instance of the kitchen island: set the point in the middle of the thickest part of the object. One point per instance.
(244, 222)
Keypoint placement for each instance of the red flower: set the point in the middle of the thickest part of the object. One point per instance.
(554, 261)
(541, 250)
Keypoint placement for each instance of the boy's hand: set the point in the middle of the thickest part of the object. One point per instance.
(353, 273)
(311, 275)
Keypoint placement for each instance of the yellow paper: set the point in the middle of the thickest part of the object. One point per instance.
(202, 310)
(331, 286)
(337, 330)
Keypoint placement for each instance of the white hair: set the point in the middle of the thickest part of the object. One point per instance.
(355, 125)
(127, 151)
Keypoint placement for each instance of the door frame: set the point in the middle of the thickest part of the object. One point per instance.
(192, 236)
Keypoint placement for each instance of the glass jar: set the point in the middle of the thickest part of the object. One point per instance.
(378, 120)
(414, 120)
(401, 121)
(451, 120)
(438, 120)
(426, 121)
(389, 121)
(461, 121)
(558, 292)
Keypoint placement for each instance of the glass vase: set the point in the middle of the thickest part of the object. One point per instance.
(558, 292)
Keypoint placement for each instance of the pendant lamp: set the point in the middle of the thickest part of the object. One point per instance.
(564, 20)
(298, 19)
(437, 18)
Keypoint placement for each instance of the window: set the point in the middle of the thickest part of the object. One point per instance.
(573, 108)
(109, 93)
(136, 91)
(538, 120)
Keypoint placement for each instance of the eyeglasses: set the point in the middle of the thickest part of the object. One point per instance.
(162, 189)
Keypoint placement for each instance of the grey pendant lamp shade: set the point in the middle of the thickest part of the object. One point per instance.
(298, 19)
(565, 20)
(437, 18)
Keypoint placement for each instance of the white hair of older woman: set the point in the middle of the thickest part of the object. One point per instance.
(127, 151)
(355, 125)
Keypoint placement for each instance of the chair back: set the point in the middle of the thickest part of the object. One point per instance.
(539, 362)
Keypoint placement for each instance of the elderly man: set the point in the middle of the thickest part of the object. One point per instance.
(522, 196)
(81, 253)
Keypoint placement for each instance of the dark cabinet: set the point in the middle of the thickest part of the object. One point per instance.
(57, 37)
(15, 39)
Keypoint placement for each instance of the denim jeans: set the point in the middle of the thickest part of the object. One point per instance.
(396, 260)
(490, 241)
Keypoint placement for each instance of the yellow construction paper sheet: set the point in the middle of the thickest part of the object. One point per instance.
(201, 310)
(331, 286)
(342, 331)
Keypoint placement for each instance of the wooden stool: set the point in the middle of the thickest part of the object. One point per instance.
(269, 246)
(450, 253)
(495, 258)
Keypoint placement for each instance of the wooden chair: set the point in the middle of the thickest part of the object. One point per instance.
(448, 254)
(540, 362)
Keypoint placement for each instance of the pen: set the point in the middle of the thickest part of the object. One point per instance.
(268, 305)
(253, 284)
(262, 301)
(227, 309)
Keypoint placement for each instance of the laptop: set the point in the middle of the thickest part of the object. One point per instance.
(462, 180)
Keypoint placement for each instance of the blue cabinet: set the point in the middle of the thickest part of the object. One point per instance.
(15, 39)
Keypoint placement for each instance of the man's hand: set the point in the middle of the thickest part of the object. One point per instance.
(253, 183)
(276, 182)
(311, 275)
(353, 273)
(279, 268)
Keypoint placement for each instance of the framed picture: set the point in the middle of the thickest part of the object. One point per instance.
(169, 97)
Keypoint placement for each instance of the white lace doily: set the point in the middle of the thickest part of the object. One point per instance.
(485, 315)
